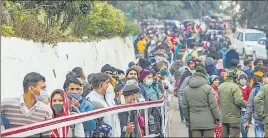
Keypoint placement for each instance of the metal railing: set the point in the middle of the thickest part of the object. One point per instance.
(37, 128)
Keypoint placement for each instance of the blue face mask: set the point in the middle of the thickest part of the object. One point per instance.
(76, 96)
(149, 82)
(43, 96)
(164, 72)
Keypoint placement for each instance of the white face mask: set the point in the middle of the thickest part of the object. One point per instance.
(243, 82)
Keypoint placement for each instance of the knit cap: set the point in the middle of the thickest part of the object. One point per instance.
(199, 67)
(219, 65)
(209, 61)
(106, 67)
(130, 88)
(144, 63)
(130, 64)
(120, 72)
(137, 68)
(242, 75)
(143, 74)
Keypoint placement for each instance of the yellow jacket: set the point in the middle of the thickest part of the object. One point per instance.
(141, 45)
(194, 54)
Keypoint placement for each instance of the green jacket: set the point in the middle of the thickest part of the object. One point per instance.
(262, 108)
(231, 102)
(200, 107)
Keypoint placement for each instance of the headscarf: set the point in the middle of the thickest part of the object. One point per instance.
(65, 112)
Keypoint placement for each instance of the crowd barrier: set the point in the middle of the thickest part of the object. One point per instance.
(37, 128)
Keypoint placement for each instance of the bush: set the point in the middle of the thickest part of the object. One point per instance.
(7, 31)
(131, 28)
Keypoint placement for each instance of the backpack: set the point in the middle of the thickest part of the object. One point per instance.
(256, 87)
(189, 56)
(102, 130)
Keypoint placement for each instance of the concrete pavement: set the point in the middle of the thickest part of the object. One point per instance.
(178, 129)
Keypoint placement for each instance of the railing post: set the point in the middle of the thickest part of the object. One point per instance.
(146, 121)
(163, 118)
(113, 125)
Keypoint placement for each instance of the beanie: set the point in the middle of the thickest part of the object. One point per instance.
(130, 64)
(143, 74)
(130, 69)
(106, 67)
(199, 67)
(118, 87)
(191, 61)
(242, 75)
(131, 88)
(120, 72)
(144, 63)
(220, 64)
(209, 61)
(213, 78)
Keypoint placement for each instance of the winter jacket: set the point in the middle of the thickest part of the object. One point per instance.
(174, 70)
(231, 102)
(259, 98)
(232, 54)
(86, 106)
(251, 108)
(181, 89)
(200, 107)
(126, 118)
(141, 45)
(187, 72)
(246, 92)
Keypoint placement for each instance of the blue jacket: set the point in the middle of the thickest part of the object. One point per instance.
(86, 106)
(232, 54)
(5, 122)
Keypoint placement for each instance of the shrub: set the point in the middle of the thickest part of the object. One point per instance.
(131, 28)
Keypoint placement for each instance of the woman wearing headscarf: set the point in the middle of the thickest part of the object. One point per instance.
(60, 106)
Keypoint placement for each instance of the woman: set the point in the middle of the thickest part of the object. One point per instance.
(60, 106)
(214, 84)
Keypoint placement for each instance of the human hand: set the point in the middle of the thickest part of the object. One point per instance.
(130, 127)
(75, 103)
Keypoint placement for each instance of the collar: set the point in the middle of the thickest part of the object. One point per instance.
(22, 102)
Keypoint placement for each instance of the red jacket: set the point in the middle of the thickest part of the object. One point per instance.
(246, 92)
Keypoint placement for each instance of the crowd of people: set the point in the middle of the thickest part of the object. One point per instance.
(216, 95)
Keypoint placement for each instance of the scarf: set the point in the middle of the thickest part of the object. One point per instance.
(65, 112)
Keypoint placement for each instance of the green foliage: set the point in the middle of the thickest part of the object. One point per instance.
(7, 31)
(131, 29)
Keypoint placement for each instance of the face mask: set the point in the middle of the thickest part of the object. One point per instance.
(43, 95)
(149, 82)
(243, 82)
(57, 107)
(164, 72)
(74, 95)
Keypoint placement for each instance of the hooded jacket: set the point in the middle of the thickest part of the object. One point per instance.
(174, 70)
(200, 107)
(232, 101)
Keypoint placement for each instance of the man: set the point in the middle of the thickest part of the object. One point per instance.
(251, 109)
(248, 67)
(200, 107)
(129, 120)
(81, 77)
(261, 103)
(121, 76)
(231, 99)
(231, 54)
(78, 104)
(26, 110)
(108, 69)
(100, 83)
(174, 69)
(257, 75)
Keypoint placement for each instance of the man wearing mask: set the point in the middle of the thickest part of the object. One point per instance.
(129, 120)
(81, 77)
(246, 89)
(200, 107)
(261, 103)
(108, 69)
(230, 96)
(78, 104)
(100, 83)
(26, 109)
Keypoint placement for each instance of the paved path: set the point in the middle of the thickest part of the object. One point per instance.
(178, 129)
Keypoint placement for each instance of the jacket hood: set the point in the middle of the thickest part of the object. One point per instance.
(197, 80)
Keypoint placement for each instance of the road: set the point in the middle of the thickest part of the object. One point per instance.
(178, 129)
